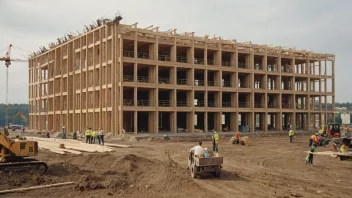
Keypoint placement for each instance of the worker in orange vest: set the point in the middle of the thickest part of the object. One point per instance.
(313, 140)
(237, 137)
(313, 144)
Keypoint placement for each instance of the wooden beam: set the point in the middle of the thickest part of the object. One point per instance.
(35, 187)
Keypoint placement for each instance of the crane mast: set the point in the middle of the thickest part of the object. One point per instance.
(7, 60)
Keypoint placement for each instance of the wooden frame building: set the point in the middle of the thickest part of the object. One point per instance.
(143, 80)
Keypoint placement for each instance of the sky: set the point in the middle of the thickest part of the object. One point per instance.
(316, 25)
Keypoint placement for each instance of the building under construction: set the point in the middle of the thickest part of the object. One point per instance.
(122, 78)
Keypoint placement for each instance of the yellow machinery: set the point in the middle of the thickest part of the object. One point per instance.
(13, 153)
(15, 116)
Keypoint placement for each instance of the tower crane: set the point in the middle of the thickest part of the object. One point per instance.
(8, 61)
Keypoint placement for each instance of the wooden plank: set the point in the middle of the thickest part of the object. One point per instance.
(118, 145)
(54, 151)
(344, 154)
(326, 153)
(75, 145)
(35, 187)
(55, 148)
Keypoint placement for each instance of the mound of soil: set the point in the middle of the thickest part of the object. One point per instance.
(106, 175)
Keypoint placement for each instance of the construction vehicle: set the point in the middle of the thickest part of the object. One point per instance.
(13, 120)
(200, 165)
(14, 153)
(346, 140)
(333, 130)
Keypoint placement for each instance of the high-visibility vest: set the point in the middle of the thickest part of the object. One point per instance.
(216, 138)
(291, 133)
(94, 133)
(88, 132)
(343, 148)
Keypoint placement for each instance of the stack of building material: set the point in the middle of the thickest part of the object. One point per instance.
(71, 146)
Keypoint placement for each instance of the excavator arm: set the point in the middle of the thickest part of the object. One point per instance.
(5, 141)
(21, 115)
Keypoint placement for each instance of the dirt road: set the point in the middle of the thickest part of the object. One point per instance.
(270, 167)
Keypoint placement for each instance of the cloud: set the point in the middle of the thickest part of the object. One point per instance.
(318, 25)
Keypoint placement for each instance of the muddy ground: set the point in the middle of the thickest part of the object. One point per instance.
(269, 167)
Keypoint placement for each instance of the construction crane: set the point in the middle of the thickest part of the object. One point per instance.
(8, 61)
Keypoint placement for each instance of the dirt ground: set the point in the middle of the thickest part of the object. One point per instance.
(269, 167)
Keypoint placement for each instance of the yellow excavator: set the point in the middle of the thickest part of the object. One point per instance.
(14, 117)
(14, 153)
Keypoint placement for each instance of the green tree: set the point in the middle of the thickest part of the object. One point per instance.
(338, 118)
(12, 110)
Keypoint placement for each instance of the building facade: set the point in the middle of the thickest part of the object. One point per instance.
(124, 78)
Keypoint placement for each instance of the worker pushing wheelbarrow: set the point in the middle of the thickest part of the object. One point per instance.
(237, 139)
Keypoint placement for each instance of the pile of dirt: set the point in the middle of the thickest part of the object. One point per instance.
(107, 174)
(89, 183)
(16, 180)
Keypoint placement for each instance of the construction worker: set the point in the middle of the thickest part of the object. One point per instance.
(74, 135)
(291, 134)
(94, 135)
(81, 134)
(343, 148)
(101, 137)
(63, 132)
(88, 136)
(237, 137)
(322, 131)
(312, 149)
(313, 139)
(215, 138)
(346, 142)
(197, 150)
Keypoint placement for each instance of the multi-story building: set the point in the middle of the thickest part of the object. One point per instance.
(119, 77)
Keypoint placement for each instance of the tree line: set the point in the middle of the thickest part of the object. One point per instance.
(13, 109)
(348, 105)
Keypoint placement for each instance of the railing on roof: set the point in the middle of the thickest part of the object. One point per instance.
(128, 53)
